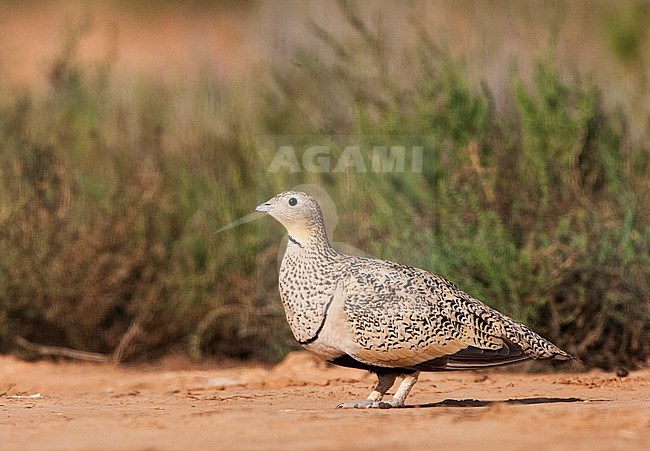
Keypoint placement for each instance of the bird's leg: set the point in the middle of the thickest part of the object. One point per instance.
(384, 383)
(400, 395)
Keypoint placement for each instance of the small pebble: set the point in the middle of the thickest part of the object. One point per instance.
(621, 372)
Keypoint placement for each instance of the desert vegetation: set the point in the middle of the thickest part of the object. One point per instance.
(112, 191)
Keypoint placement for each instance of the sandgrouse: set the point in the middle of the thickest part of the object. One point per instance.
(390, 319)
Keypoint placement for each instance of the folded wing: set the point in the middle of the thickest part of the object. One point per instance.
(404, 317)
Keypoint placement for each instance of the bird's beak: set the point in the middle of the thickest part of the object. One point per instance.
(263, 207)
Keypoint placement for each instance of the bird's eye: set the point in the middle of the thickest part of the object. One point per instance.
(293, 201)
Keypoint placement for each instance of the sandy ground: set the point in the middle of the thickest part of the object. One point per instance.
(292, 406)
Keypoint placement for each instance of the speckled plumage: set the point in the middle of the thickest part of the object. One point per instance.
(388, 318)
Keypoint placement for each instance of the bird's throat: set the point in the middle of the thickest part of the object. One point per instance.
(301, 236)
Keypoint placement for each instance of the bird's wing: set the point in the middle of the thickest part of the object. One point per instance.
(406, 317)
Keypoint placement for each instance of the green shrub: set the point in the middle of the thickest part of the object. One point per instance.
(109, 211)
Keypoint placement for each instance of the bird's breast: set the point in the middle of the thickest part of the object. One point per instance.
(306, 291)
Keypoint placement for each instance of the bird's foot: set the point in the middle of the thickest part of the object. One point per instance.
(390, 404)
(361, 404)
(368, 404)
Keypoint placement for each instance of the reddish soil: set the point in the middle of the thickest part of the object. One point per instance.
(292, 406)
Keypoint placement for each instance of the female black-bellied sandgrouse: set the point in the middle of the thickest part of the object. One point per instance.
(387, 318)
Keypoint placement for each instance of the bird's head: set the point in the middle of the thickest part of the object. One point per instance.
(298, 212)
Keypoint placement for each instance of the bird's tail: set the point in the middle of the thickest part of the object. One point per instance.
(533, 345)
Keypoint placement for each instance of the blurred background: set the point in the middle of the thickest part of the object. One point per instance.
(130, 132)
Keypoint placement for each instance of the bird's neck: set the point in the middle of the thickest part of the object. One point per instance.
(309, 235)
